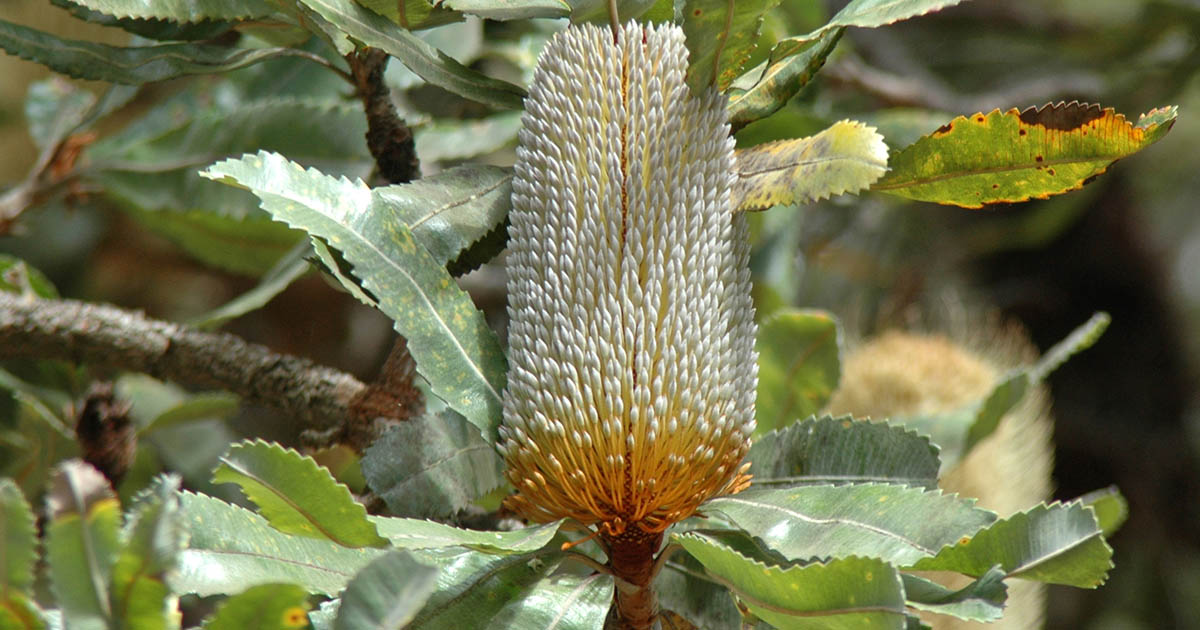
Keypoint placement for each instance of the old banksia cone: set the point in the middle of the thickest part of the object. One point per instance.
(630, 395)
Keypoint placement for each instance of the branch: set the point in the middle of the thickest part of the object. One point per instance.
(317, 396)
(388, 137)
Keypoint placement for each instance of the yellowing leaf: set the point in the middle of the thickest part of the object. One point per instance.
(1014, 156)
(847, 157)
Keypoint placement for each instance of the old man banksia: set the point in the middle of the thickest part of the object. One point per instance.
(632, 377)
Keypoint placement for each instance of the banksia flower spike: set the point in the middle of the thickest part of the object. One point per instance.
(631, 387)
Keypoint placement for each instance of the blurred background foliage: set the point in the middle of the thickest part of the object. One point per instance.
(135, 226)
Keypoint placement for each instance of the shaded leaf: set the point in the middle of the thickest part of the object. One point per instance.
(140, 597)
(872, 13)
(432, 466)
(231, 549)
(16, 276)
(765, 89)
(720, 36)
(1110, 507)
(1080, 339)
(251, 245)
(453, 347)
(982, 600)
(82, 543)
(411, 14)
(386, 594)
(508, 9)
(462, 139)
(18, 541)
(799, 366)
(841, 450)
(1014, 156)
(419, 56)
(841, 594)
(181, 10)
(54, 108)
(898, 524)
(263, 607)
(131, 65)
(845, 158)
(296, 495)
(684, 589)
(449, 211)
(286, 270)
(1056, 543)
(559, 602)
(473, 587)
(160, 29)
(411, 533)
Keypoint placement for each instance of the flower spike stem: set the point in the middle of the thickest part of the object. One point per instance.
(614, 19)
(631, 558)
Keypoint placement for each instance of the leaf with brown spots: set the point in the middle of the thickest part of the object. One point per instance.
(1015, 156)
(847, 157)
(721, 34)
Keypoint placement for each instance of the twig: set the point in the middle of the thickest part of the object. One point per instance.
(614, 20)
(388, 137)
(100, 335)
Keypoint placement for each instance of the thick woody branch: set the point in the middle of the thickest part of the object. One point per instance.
(389, 139)
(317, 396)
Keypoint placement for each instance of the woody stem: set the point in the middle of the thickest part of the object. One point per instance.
(631, 559)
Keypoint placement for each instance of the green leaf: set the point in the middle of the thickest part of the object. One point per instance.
(981, 600)
(386, 594)
(872, 13)
(162, 30)
(131, 65)
(18, 612)
(419, 56)
(449, 211)
(473, 587)
(411, 533)
(1080, 339)
(684, 589)
(263, 607)
(858, 593)
(181, 10)
(296, 495)
(140, 598)
(1110, 507)
(196, 407)
(1014, 156)
(841, 450)
(1056, 543)
(799, 365)
(287, 270)
(898, 524)
(720, 37)
(251, 246)
(462, 139)
(54, 108)
(453, 347)
(845, 158)
(16, 276)
(765, 89)
(559, 602)
(231, 549)
(432, 466)
(18, 540)
(82, 543)
(411, 14)
(510, 10)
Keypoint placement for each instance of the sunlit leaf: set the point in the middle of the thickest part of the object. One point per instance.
(18, 539)
(411, 14)
(286, 270)
(847, 157)
(296, 495)
(1056, 543)
(386, 594)
(449, 339)
(720, 37)
(510, 9)
(159, 29)
(1018, 155)
(765, 89)
(263, 607)
(686, 590)
(432, 466)
(872, 13)
(411, 533)
(559, 602)
(140, 597)
(473, 587)
(982, 600)
(1110, 507)
(842, 450)
(798, 366)
(16, 276)
(82, 543)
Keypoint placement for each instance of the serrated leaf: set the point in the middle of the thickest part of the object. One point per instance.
(449, 211)
(453, 347)
(1080, 339)
(508, 9)
(432, 466)
(843, 450)
(1110, 507)
(982, 600)
(296, 495)
(559, 602)
(1056, 543)
(231, 549)
(162, 30)
(129, 65)
(411, 533)
(250, 245)
(859, 593)
(1014, 156)
(872, 13)
(411, 14)
(16, 276)
(386, 594)
(462, 139)
(898, 524)
(18, 612)
(426, 61)
(720, 36)
(263, 607)
(18, 540)
(139, 596)
(82, 543)
(684, 589)
(181, 10)
(765, 89)
(286, 270)
(799, 366)
(845, 158)
(473, 587)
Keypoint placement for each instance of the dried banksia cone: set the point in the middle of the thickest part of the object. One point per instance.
(630, 395)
